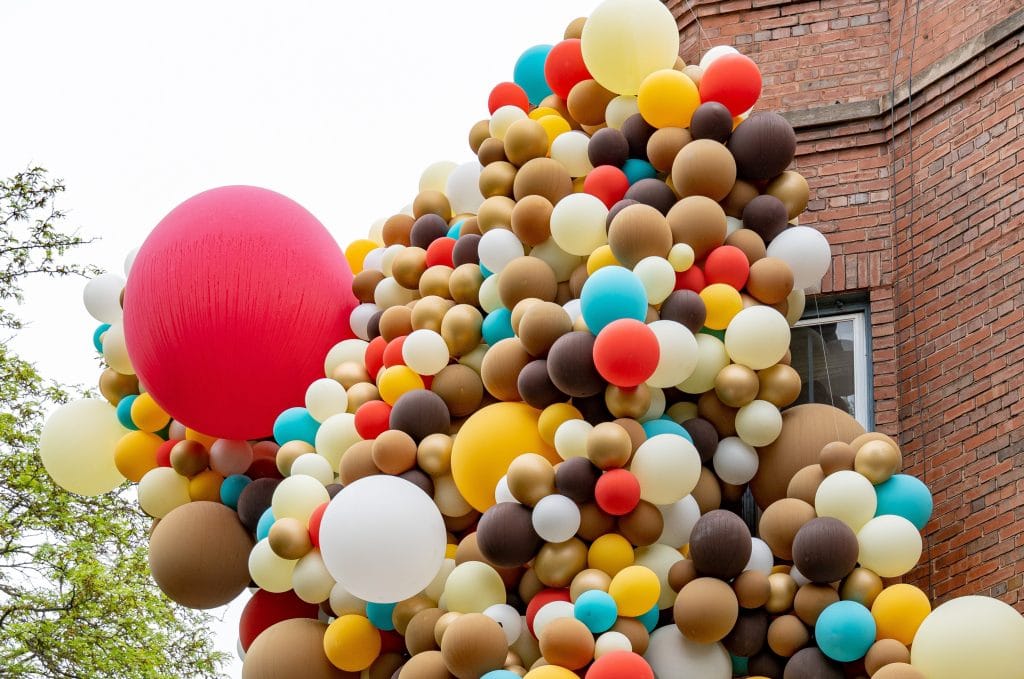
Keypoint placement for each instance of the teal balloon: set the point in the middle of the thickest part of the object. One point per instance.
(97, 336)
(232, 488)
(529, 73)
(500, 674)
(597, 610)
(484, 271)
(295, 424)
(906, 496)
(636, 169)
(720, 334)
(611, 293)
(650, 618)
(124, 412)
(263, 525)
(665, 425)
(497, 326)
(740, 665)
(845, 631)
(456, 230)
(380, 615)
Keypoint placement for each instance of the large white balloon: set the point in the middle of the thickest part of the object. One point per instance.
(806, 251)
(969, 638)
(673, 656)
(382, 538)
(77, 446)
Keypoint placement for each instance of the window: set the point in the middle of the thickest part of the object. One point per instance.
(831, 352)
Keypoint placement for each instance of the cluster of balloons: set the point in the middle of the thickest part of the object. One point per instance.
(509, 438)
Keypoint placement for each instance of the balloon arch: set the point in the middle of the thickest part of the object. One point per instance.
(506, 434)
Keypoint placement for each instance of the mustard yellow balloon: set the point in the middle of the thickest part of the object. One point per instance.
(668, 98)
(205, 486)
(352, 643)
(610, 553)
(600, 258)
(397, 380)
(147, 415)
(723, 302)
(77, 447)
(552, 417)
(541, 111)
(624, 41)
(356, 253)
(551, 672)
(636, 590)
(898, 611)
(135, 454)
(486, 445)
(554, 125)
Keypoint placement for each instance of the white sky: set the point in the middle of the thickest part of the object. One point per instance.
(140, 105)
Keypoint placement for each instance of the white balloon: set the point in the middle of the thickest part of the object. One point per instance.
(502, 492)
(102, 297)
(799, 578)
(714, 53)
(574, 307)
(578, 223)
(129, 260)
(373, 260)
(673, 656)
(115, 349)
(679, 518)
(570, 149)
(425, 351)
(269, 571)
(761, 557)
(315, 466)
(326, 397)
(657, 407)
(509, 619)
(678, 354)
(807, 252)
(463, 188)
(383, 538)
(556, 518)
(735, 461)
(611, 641)
(497, 248)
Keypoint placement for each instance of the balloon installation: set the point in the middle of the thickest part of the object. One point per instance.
(507, 433)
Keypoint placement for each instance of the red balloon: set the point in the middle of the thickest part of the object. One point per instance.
(732, 80)
(727, 264)
(163, 453)
(267, 608)
(541, 599)
(374, 356)
(608, 183)
(233, 301)
(617, 492)
(440, 252)
(507, 94)
(618, 664)
(372, 419)
(626, 352)
(314, 524)
(691, 279)
(393, 352)
(564, 67)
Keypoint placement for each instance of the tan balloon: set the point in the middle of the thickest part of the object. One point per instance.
(501, 367)
(406, 610)
(705, 610)
(357, 463)
(530, 478)
(811, 599)
(804, 484)
(791, 188)
(291, 649)
(787, 635)
(632, 403)
(708, 491)
(526, 277)
(742, 192)
(704, 167)
(394, 452)
(885, 652)
(289, 452)
(567, 642)
(699, 222)
(588, 101)
(419, 633)
(364, 283)
(491, 151)
(750, 242)
(531, 219)
(664, 145)
(429, 312)
(588, 579)
(361, 393)
(543, 177)
(770, 280)
(350, 373)
(542, 324)
(464, 284)
(712, 409)
(432, 202)
(637, 232)
(752, 589)
(496, 180)
(434, 454)
(461, 389)
(495, 212)
(396, 322)
(900, 670)
(396, 229)
(736, 385)
(837, 456)
(435, 282)
(878, 461)
(780, 522)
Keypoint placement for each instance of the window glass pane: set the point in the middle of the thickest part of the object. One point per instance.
(824, 356)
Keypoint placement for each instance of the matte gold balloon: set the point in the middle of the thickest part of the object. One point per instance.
(707, 492)
(288, 453)
(531, 478)
(461, 389)
(877, 461)
(694, 72)
(491, 151)
(364, 283)
(396, 229)
(780, 522)
(435, 281)
(567, 642)
(395, 321)
(357, 463)
(804, 484)
(114, 386)
(480, 131)
(431, 202)
(736, 385)
(783, 591)
(460, 328)
(525, 140)
(419, 633)
(394, 452)
(542, 324)
(408, 266)
(862, 586)
(811, 599)
(742, 192)
(588, 579)
(526, 277)
(779, 385)
(624, 402)
(712, 409)
(406, 610)
(575, 29)
(543, 177)
(434, 453)
(361, 393)
(770, 280)
(429, 312)
(787, 635)
(664, 145)
(637, 232)
(609, 446)
(752, 589)
(501, 367)
(558, 563)
(885, 652)
(496, 180)
(531, 219)
(837, 456)
(588, 101)
(791, 188)
(704, 167)
(289, 538)
(699, 222)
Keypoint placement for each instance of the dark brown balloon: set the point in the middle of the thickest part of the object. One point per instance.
(571, 365)
(291, 649)
(765, 215)
(460, 388)
(525, 140)
(608, 146)
(637, 132)
(699, 222)
(480, 131)
(811, 663)
(791, 188)
(704, 168)
(420, 413)
(664, 145)
(465, 251)
(763, 145)
(531, 219)
(770, 280)
(643, 525)
(536, 388)
(705, 610)
(742, 192)
(748, 634)
(635, 631)
(426, 484)
(685, 307)
(575, 478)
(653, 192)
(491, 151)
(426, 230)
(720, 544)
(637, 232)
(396, 229)
(587, 102)
(505, 535)
(254, 500)
(199, 555)
(526, 277)
(825, 549)
(780, 522)
(501, 367)
(811, 599)
(543, 177)
(765, 664)
(711, 120)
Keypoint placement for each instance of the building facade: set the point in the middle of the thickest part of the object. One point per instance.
(909, 118)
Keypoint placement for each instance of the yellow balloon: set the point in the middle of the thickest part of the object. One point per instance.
(486, 445)
(636, 590)
(552, 417)
(541, 111)
(356, 252)
(898, 611)
(352, 643)
(551, 672)
(554, 125)
(723, 302)
(147, 415)
(601, 257)
(625, 40)
(668, 98)
(473, 587)
(77, 446)
(397, 380)
(971, 636)
(205, 486)
(135, 454)
(161, 490)
(610, 553)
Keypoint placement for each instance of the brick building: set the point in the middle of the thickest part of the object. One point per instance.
(910, 125)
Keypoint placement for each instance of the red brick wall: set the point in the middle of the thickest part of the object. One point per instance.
(928, 222)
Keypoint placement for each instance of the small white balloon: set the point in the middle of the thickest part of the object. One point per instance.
(556, 518)
(807, 252)
(463, 188)
(310, 579)
(326, 397)
(611, 641)
(435, 176)
(344, 602)
(509, 619)
(102, 297)
(497, 248)
(129, 260)
(502, 492)
(570, 149)
(761, 558)
(735, 461)
(425, 351)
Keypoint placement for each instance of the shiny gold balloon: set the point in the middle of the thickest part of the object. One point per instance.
(525, 140)
(496, 180)
(588, 579)
(114, 386)
(558, 563)
(289, 452)
(434, 454)
(435, 281)
(289, 538)
(877, 461)
(736, 385)
(188, 458)
(428, 313)
(782, 591)
(623, 402)
(395, 321)
(531, 478)
(609, 446)
(361, 393)
(804, 484)
(791, 188)
(408, 266)
(464, 284)
(481, 130)
(431, 202)
(837, 456)
(460, 328)
(779, 385)
(491, 151)
(495, 212)
(862, 586)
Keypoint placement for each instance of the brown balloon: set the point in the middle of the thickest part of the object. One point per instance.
(791, 188)
(543, 177)
(720, 544)
(426, 229)
(711, 120)
(804, 484)
(664, 145)
(575, 29)
(289, 538)
(291, 649)
(780, 522)
(704, 168)
(779, 385)
(394, 452)
(571, 365)
(594, 522)
(555, 102)
(681, 572)
(419, 413)
(491, 151)
(811, 599)
(699, 222)
(204, 534)
(396, 229)
(496, 181)
(495, 213)
(419, 633)
(407, 609)
(837, 456)
(862, 586)
(811, 663)
(588, 579)
(536, 388)
(531, 219)
(752, 589)
(567, 642)
(525, 140)
(501, 367)
(707, 492)
(742, 192)
(787, 635)
(749, 242)
(765, 215)
(736, 385)
(770, 280)
(357, 463)
(637, 232)
(541, 325)
(717, 413)
(587, 102)
(505, 535)
(638, 132)
(885, 652)
(748, 634)
(629, 403)
(642, 526)
(460, 387)
(653, 192)
(426, 665)
(395, 321)
(188, 458)
(686, 308)
(608, 146)
(877, 461)
(480, 131)
(825, 550)
(364, 283)
(526, 277)
(705, 610)
(805, 429)
(575, 478)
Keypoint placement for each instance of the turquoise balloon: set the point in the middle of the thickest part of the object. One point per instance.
(529, 73)
(232, 488)
(124, 412)
(665, 425)
(740, 665)
(295, 424)
(484, 271)
(380, 615)
(456, 230)
(845, 631)
(500, 674)
(650, 618)
(636, 169)
(597, 610)
(497, 326)
(263, 525)
(906, 496)
(97, 336)
(611, 293)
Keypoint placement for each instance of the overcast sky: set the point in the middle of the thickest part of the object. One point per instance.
(339, 105)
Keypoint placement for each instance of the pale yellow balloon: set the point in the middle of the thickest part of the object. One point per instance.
(711, 358)
(77, 446)
(346, 351)
(326, 397)
(890, 545)
(502, 119)
(297, 496)
(335, 436)
(161, 490)
(435, 176)
(115, 350)
(571, 438)
(269, 571)
(619, 109)
(570, 149)
(971, 636)
(660, 559)
(757, 337)
(311, 580)
(625, 40)
(847, 496)
(472, 587)
(758, 423)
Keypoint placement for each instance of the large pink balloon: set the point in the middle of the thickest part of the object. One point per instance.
(231, 306)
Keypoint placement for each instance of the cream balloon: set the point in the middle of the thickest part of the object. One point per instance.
(502, 119)
(315, 466)
(890, 545)
(346, 351)
(759, 423)
(570, 149)
(711, 358)
(679, 519)
(473, 587)
(326, 397)
(578, 224)
(735, 461)
(658, 278)
(847, 496)
(667, 467)
(161, 490)
(571, 438)
(269, 571)
(561, 262)
(311, 580)
(77, 446)
(672, 655)
(757, 337)
(463, 188)
(678, 354)
(425, 351)
(335, 436)
(970, 637)
(297, 496)
(619, 109)
(625, 40)
(714, 53)
(660, 559)
(435, 176)
(115, 350)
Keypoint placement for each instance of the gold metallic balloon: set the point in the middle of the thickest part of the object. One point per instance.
(188, 458)
(782, 591)
(491, 151)
(427, 313)
(495, 212)
(481, 130)
(464, 284)
(623, 402)
(289, 538)
(114, 386)
(408, 266)
(736, 385)
(435, 281)
(289, 452)
(361, 393)
(609, 446)
(877, 461)
(531, 478)
(862, 586)
(404, 611)
(558, 563)
(791, 188)
(779, 385)
(432, 202)
(434, 454)
(497, 179)
(460, 328)
(525, 140)
(350, 373)
(588, 579)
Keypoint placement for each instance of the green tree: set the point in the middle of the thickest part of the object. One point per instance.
(76, 598)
